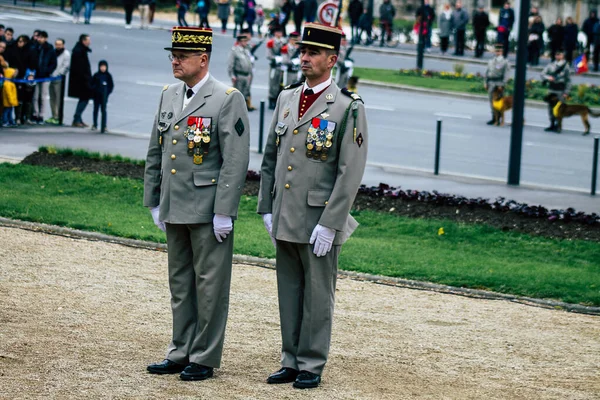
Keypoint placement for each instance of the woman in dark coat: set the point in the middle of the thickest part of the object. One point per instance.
(535, 44)
(571, 32)
(556, 35)
(80, 78)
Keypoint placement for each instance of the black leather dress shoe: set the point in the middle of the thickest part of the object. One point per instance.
(284, 375)
(307, 380)
(165, 367)
(196, 372)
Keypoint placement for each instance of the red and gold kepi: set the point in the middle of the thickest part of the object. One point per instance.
(191, 39)
(318, 35)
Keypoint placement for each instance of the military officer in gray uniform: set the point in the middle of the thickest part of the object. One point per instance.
(344, 64)
(275, 57)
(239, 68)
(313, 165)
(291, 59)
(557, 75)
(496, 75)
(195, 171)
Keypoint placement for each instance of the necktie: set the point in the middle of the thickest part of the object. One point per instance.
(308, 92)
(189, 93)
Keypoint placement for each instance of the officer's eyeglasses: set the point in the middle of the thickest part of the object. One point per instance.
(183, 57)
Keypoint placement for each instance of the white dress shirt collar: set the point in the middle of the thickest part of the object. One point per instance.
(195, 89)
(320, 87)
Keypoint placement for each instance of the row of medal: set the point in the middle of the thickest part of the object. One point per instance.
(319, 138)
(197, 135)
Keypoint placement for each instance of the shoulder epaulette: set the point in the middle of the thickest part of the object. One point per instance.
(353, 95)
(294, 85)
(165, 87)
(230, 90)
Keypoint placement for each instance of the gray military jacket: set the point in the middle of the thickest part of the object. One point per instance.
(191, 193)
(239, 62)
(562, 77)
(497, 72)
(302, 191)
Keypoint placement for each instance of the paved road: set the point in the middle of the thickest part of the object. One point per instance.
(402, 124)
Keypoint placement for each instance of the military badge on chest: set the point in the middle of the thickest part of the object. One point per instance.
(197, 135)
(319, 139)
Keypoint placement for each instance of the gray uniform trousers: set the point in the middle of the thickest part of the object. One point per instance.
(306, 289)
(491, 87)
(275, 80)
(560, 94)
(199, 279)
(242, 83)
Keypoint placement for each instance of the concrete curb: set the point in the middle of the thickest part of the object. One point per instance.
(269, 263)
(34, 10)
(433, 92)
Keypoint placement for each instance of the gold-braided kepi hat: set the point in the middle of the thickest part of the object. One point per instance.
(318, 35)
(191, 39)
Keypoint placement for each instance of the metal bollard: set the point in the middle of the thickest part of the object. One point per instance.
(261, 126)
(595, 165)
(438, 143)
(61, 102)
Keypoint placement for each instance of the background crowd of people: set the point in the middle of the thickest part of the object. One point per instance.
(33, 70)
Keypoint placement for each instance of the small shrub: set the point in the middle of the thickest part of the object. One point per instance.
(458, 68)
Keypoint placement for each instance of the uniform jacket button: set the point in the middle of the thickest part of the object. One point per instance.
(292, 150)
(326, 202)
(287, 185)
(174, 141)
(295, 131)
(173, 156)
(213, 181)
(173, 171)
(289, 168)
(176, 127)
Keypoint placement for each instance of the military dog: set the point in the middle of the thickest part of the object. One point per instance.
(562, 110)
(501, 104)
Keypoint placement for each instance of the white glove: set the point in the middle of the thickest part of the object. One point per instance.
(322, 237)
(155, 211)
(268, 220)
(222, 226)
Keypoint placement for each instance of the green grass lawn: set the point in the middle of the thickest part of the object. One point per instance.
(391, 76)
(475, 256)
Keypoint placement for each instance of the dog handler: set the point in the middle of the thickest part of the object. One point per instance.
(496, 75)
(558, 76)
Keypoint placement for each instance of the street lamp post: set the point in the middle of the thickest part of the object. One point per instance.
(421, 46)
(516, 137)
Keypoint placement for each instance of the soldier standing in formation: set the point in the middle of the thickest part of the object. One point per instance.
(195, 170)
(557, 75)
(344, 64)
(313, 165)
(496, 75)
(291, 59)
(274, 55)
(239, 68)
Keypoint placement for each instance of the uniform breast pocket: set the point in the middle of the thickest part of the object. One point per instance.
(280, 131)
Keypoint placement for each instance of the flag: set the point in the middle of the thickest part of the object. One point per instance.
(580, 64)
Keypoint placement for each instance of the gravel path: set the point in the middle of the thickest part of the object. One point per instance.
(82, 319)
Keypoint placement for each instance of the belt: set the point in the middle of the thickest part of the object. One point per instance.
(241, 73)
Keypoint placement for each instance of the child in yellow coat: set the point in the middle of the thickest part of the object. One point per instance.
(9, 97)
